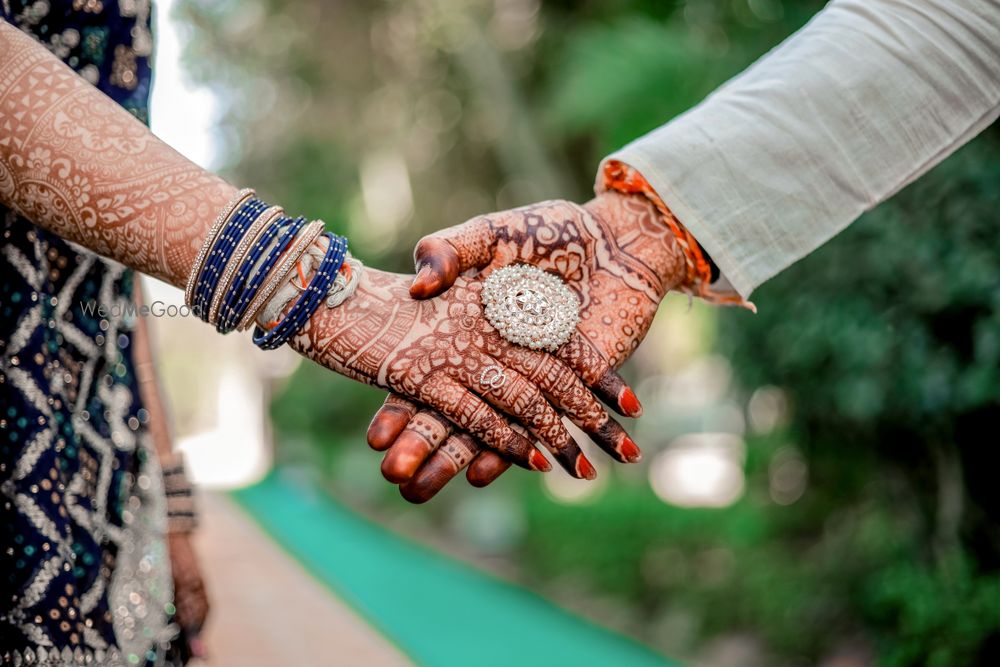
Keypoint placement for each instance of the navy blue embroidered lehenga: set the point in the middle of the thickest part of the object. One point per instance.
(84, 577)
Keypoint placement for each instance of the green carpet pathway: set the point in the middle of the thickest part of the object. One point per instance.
(439, 611)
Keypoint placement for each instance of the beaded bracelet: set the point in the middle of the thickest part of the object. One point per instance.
(254, 270)
(213, 231)
(277, 277)
(222, 252)
(309, 300)
(236, 261)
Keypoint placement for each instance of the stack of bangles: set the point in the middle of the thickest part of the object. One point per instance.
(245, 271)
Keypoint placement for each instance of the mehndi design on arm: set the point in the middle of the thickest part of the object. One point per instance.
(76, 163)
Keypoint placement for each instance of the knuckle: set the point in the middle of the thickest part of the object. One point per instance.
(594, 420)
(424, 245)
(430, 426)
(512, 443)
(458, 451)
(563, 438)
(527, 393)
(398, 402)
(559, 372)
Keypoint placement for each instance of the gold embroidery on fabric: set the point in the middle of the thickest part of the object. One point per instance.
(142, 39)
(123, 69)
(90, 6)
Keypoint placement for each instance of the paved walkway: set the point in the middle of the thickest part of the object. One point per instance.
(442, 613)
(267, 610)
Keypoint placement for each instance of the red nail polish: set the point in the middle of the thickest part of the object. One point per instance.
(539, 462)
(630, 451)
(630, 404)
(584, 468)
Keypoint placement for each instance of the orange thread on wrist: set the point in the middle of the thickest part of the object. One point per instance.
(620, 177)
(302, 275)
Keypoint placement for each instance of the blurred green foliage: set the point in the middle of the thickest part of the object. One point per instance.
(885, 344)
(888, 339)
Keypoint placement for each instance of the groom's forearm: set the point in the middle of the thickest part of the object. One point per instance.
(842, 115)
(74, 162)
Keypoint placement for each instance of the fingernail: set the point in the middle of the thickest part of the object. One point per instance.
(630, 451)
(424, 274)
(539, 462)
(630, 404)
(584, 468)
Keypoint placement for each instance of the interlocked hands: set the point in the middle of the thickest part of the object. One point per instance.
(443, 354)
(619, 258)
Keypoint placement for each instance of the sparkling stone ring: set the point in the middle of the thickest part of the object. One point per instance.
(493, 377)
(530, 307)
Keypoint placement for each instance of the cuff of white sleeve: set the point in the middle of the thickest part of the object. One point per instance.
(731, 279)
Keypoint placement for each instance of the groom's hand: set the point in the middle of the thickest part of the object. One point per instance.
(617, 255)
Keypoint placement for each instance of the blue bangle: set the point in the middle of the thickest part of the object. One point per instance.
(309, 300)
(245, 286)
(222, 252)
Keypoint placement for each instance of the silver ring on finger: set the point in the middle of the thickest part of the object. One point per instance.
(493, 377)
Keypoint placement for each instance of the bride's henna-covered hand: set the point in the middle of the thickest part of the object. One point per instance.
(80, 166)
(435, 352)
(615, 252)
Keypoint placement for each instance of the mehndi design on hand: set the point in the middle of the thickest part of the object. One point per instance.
(77, 164)
(80, 166)
(435, 352)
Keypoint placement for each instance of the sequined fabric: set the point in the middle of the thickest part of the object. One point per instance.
(84, 577)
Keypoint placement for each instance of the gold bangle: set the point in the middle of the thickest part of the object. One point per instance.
(213, 232)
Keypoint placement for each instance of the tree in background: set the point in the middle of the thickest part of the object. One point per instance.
(888, 341)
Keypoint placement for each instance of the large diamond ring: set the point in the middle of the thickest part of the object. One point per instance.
(530, 307)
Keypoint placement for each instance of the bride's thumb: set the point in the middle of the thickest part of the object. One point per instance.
(437, 265)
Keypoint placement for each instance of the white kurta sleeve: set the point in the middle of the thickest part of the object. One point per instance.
(846, 112)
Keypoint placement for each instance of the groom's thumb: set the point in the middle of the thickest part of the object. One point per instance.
(437, 266)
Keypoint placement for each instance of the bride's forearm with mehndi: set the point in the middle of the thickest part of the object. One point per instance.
(82, 167)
